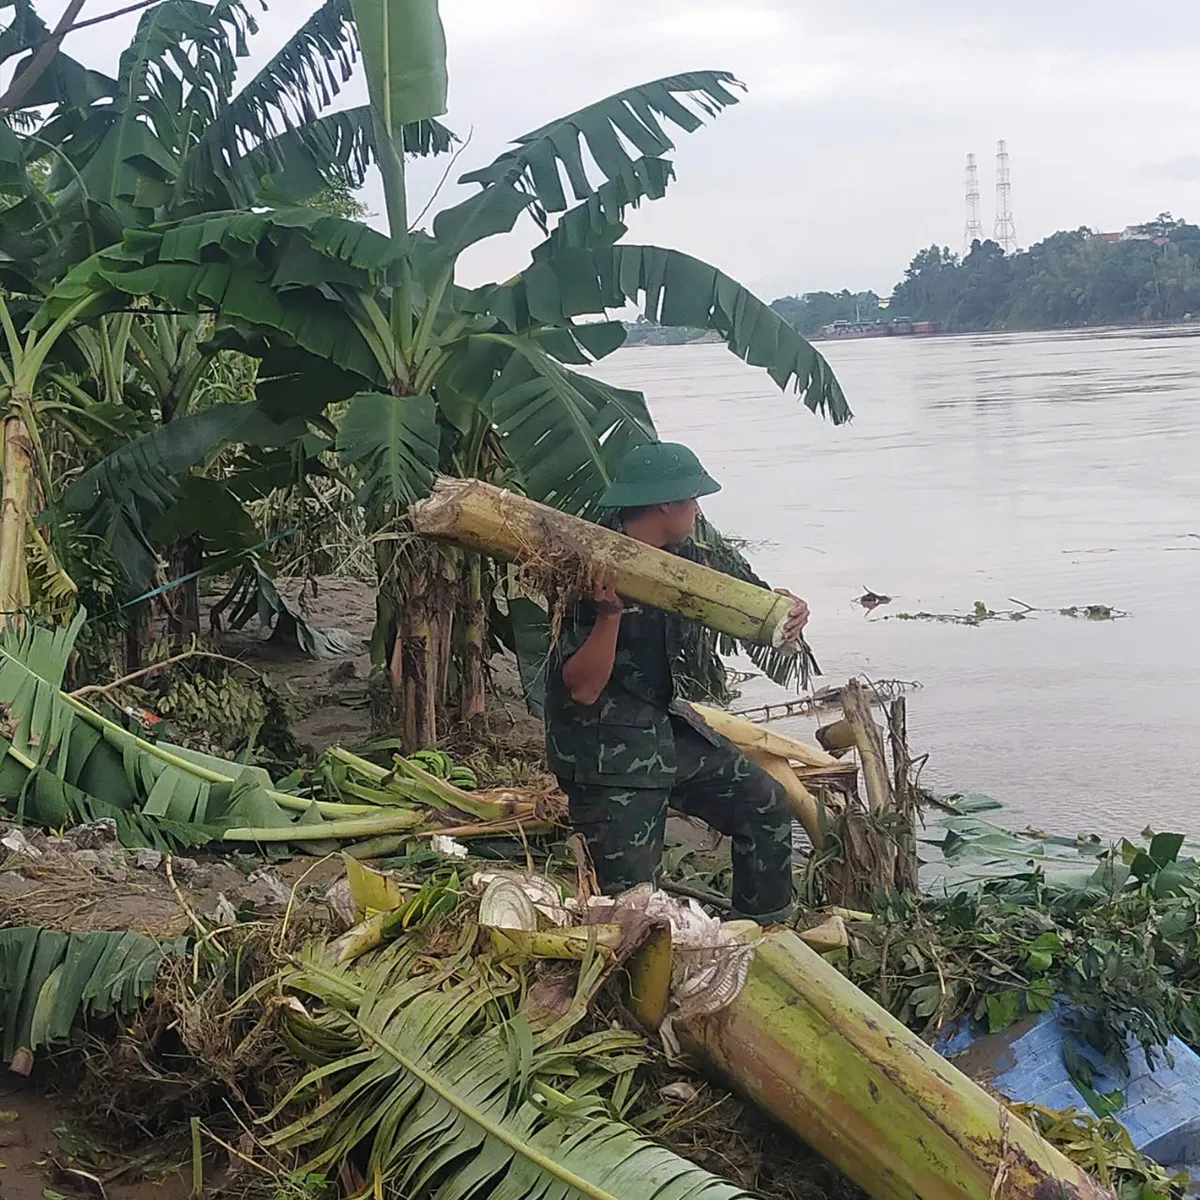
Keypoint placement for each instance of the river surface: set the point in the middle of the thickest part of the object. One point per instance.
(1060, 469)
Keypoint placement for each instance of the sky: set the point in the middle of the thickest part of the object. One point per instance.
(847, 151)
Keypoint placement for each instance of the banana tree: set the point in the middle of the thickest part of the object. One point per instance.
(168, 135)
(26, 478)
(465, 381)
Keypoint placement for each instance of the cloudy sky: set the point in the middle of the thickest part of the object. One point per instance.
(847, 152)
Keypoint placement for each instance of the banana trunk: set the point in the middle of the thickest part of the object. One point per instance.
(807, 1046)
(554, 545)
(746, 735)
(16, 511)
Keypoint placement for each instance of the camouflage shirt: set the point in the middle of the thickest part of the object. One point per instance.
(624, 739)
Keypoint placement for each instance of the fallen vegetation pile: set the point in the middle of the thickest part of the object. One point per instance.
(400, 1030)
(66, 762)
(1118, 953)
(413, 1047)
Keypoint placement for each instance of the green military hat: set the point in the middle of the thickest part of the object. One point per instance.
(658, 473)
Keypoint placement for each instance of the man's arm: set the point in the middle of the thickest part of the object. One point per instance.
(587, 672)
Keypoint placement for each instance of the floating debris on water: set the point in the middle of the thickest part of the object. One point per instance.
(981, 613)
(871, 600)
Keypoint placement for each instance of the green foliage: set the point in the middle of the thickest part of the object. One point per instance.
(120, 498)
(190, 201)
(1120, 949)
(812, 311)
(429, 1067)
(404, 51)
(49, 980)
(253, 594)
(169, 136)
(639, 115)
(63, 762)
(566, 431)
(647, 333)
(1077, 277)
(674, 289)
(392, 442)
(1103, 1147)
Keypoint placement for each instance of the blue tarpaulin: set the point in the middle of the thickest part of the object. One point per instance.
(1025, 1063)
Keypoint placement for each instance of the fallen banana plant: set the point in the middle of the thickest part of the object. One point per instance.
(49, 979)
(62, 762)
(811, 1049)
(511, 919)
(437, 896)
(430, 1069)
(775, 753)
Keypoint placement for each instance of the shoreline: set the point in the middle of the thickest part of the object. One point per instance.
(1184, 328)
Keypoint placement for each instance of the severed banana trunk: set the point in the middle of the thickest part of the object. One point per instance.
(746, 735)
(806, 1045)
(554, 546)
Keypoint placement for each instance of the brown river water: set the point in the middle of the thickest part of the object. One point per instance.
(1060, 469)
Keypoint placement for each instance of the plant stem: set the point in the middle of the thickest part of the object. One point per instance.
(100, 689)
(471, 692)
(27, 80)
(391, 168)
(15, 515)
(332, 831)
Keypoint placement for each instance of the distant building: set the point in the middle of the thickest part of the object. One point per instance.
(896, 327)
(1134, 233)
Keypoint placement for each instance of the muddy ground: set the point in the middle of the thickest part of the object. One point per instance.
(86, 882)
(330, 694)
(35, 1159)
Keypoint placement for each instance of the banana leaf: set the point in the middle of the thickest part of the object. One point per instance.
(415, 1068)
(61, 762)
(404, 52)
(48, 980)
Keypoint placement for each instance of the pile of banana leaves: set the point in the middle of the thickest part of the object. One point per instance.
(434, 1076)
(62, 762)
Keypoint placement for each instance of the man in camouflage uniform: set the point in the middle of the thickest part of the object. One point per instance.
(622, 744)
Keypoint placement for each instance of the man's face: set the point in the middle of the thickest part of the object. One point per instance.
(680, 519)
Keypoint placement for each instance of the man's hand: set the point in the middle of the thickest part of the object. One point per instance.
(605, 596)
(796, 620)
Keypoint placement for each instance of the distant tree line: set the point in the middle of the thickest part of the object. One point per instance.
(1150, 272)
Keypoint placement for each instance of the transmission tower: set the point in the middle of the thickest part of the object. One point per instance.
(973, 230)
(1005, 230)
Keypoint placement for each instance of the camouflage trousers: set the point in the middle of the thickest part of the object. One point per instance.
(624, 827)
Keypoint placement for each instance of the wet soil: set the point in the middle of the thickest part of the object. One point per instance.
(330, 694)
(35, 1161)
